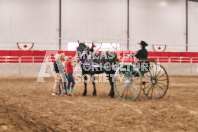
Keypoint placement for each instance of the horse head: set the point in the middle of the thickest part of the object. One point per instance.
(82, 51)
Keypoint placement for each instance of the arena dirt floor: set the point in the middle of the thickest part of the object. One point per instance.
(26, 105)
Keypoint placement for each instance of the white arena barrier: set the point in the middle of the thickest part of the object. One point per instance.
(10, 70)
(195, 69)
(24, 70)
(33, 69)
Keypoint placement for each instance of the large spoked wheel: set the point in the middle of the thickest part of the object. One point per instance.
(127, 82)
(155, 82)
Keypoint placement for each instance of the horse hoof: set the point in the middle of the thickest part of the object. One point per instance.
(84, 94)
(111, 96)
(94, 94)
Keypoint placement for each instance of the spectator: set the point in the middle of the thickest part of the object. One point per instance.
(59, 75)
(62, 58)
(70, 64)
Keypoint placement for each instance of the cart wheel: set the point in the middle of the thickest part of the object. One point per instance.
(155, 82)
(127, 82)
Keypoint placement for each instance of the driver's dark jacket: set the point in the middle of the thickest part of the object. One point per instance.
(142, 54)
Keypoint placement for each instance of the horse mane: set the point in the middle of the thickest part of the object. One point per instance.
(107, 56)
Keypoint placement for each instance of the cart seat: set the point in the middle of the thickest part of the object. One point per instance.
(147, 60)
(144, 65)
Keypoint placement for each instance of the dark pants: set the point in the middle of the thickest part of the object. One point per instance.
(65, 87)
(70, 80)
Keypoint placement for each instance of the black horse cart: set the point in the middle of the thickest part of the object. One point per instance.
(127, 80)
(150, 77)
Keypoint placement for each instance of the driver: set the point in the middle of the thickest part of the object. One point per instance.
(143, 53)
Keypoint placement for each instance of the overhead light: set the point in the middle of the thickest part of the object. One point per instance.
(163, 3)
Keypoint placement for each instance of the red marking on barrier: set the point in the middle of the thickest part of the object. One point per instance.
(16, 56)
(25, 46)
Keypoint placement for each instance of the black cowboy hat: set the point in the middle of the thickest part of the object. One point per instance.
(143, 43)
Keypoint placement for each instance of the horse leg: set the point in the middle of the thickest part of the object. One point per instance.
(110, 78)
(85, 83)
(93, 82)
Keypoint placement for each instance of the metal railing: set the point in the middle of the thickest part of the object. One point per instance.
(26, 59)
(41, 59)
(9, 59)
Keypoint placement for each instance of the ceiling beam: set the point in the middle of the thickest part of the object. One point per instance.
(193, 0)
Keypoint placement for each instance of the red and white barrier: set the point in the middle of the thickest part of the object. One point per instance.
(28, 63)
